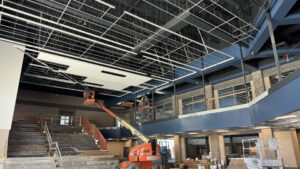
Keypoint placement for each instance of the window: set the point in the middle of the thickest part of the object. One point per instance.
(193, 104)
(233, 144)
(167, 145)
(164, 111)
(197, 147)
(234, 95)
(66, 118)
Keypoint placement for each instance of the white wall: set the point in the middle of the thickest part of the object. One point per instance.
(11, 60)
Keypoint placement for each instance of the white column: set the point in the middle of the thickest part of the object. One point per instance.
(11, 60)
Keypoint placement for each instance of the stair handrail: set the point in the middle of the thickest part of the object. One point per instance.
(102, 143)
(50, 142)
(57, 151)
(49, 138)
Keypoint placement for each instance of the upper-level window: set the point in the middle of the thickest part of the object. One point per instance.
(234, 95)
(164, 111)
(193, 104)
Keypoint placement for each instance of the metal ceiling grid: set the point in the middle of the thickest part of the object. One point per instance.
(125, 36)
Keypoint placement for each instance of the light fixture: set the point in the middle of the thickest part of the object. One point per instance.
(191, 133)
(106, 4)
(170, 135)
(261, 127)
(222, 130)
(285, 117)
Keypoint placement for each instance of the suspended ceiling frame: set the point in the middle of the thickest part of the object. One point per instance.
(152, 56)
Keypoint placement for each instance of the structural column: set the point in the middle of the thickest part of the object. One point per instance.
(175, 105)
(267, 82)
(266, 133)
(214, 146)
(180, 112)
(183, 148)
(222, 149)
(216, 100)
(258, 83)
(217, 147)
(177, 151)
(298, 137)
(288, 147)
(209, 93)
(180, 149)
(10, 70)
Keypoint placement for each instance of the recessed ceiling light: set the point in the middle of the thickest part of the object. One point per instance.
(285, 117)
(220, 131)
(170, 135)
(193, 133)
(113, 73)
(261, 127)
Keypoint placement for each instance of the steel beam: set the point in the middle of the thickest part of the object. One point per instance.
(281, 52)
(278, 12)
(290, 19)
(270, 27)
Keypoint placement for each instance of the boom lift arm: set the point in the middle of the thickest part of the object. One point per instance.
(125, 124)
(89, 98)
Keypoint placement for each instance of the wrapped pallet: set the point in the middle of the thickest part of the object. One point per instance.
(237, 163)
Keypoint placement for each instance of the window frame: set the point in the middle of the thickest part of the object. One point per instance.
(162, 110)
(234, 90)
(192, 106)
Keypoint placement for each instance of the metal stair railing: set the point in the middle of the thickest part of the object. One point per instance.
(51, 147)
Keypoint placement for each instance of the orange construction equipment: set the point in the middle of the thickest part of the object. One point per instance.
(88, 96)
(145, 156)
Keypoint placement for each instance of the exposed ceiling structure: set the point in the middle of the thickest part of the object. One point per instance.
(119, 47)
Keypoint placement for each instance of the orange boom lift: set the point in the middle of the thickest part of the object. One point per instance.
(145, 156)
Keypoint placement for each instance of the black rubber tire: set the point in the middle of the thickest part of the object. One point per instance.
(133, 166)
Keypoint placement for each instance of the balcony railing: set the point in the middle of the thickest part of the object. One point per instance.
(227, 100)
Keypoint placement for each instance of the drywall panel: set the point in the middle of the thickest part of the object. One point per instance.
(110, 78)
(10, 70)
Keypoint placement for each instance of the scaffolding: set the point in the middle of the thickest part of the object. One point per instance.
(261, 153)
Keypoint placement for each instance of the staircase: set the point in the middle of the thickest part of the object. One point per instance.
(71, 139)
(90, 162)
(70, 162)
(26, 140)
(28, 148)
(31, 163)
(79, 141)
